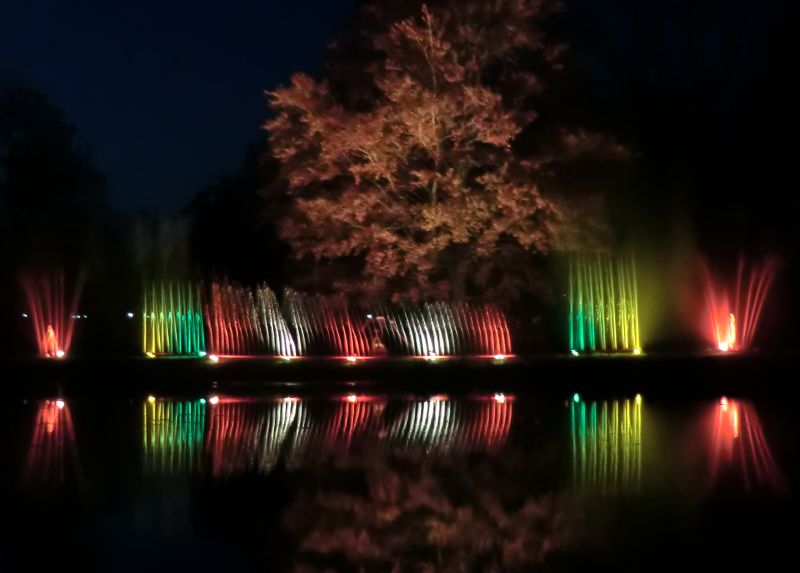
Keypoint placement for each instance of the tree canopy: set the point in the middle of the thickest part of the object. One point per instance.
(428, 182)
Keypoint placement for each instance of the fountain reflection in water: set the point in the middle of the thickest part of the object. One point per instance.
(245, 435)
(606, 439)
(173, 436)
(738, 448)
(53, 454)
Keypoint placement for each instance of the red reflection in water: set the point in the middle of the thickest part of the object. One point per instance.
(740, 448)
(53, 455)
(250, 436)
(733, 310)
(51, 315)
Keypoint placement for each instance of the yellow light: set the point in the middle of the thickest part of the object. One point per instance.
(638, 399)
(213, 358)
(499, 357)
(213, 400)
(637, 351)
(60, 354)
(151, 399)
(150, 354)
(352, 359)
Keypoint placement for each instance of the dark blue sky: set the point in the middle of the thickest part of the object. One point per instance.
(168, 94)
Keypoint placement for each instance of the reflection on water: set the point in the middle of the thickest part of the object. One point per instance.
(173, 435)
(739, 448)
(52, 456)
(606, 444)
(252, 435)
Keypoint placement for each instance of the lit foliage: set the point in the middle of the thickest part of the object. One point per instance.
(423, 184)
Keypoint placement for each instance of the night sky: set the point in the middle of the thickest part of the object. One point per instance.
(167, 94)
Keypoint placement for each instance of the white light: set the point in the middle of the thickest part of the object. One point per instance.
(287, 358)
(369, 316)
(290, 399)
(500, 398)
(151, 399)
(723, 346)
(60, 354)
(202, 354)
(213, 400)
(60, 404)
(352, 398)
(24, 315)
(130, 315)
(499, 357)
(213, 358)
(432, 357)
(352, 359)
(637, 351)
(574, 352)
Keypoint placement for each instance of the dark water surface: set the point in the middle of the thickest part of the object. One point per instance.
(376, 482)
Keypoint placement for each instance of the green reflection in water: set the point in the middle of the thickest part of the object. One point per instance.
(173, 436)
(607, 445)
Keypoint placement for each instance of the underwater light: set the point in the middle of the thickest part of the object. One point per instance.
(291, 399)
(202, 354)
(213, 400)
(439, 398)
(150, 354)
(637, 351)
(499, 357)
(500, 398)
(574, 352)
(287, 358)
(723, 347)
(352, 359)
(60, 404)
(352, 398)
(432, 357)
(213, 358)
(60, 354)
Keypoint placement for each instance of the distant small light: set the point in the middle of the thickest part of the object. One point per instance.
(637, 351)
(150, 354)
(352, 359)
(85, 316)
(500, 398)
(352, 398)
(129, 315)
(369, 316)
(213, 400)
(576, 397)
(24, 315)
(499, 357)
(60, 354)
(213, 358)
(151, 399)
(638, 398)
(574, 352)
(60, 404)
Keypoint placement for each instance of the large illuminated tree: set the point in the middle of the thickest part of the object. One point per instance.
(412, 168)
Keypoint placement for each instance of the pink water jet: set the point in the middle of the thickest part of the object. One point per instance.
(51, 314)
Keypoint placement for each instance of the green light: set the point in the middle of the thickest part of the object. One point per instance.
(576, 397)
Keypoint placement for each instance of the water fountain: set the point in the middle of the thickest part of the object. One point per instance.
(603, 305)
(731, 317)
(243, 321)
(51, 314)
(172, 319)
(325, 326)
(606, 440)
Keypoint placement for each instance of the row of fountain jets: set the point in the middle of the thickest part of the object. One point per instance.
(227, 319)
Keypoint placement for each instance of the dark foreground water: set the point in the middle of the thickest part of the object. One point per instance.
(372, 482)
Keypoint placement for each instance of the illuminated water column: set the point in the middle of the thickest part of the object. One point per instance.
(739, 449)
(606, 439)
(733, 311)
(51, 314)
(603, 303)
(325, 326)
(173, 436)
(172, 319)
(53, 454)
